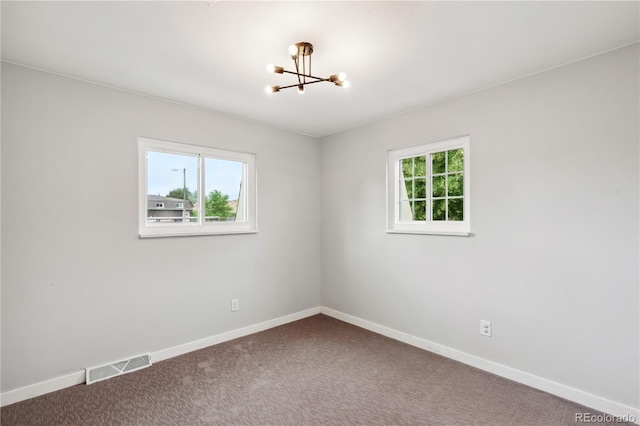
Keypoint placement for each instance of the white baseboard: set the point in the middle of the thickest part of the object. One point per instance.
(37, 389)
(558, 389)
(78, 377)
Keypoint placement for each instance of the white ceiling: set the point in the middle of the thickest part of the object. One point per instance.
(398, 55)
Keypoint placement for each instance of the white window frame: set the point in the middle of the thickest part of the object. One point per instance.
(199, 226)
(394, 225)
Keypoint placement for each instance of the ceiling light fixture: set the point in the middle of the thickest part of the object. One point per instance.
(301, 55)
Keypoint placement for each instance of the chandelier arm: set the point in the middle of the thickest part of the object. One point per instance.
(304, 84)
(304, 69)
(306, 75)
(296, 61)
(317, 81)
(286, 87)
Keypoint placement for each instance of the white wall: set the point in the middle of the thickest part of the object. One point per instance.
(553, 261)
(79, 287)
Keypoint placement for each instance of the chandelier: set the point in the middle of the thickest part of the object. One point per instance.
(301, 55)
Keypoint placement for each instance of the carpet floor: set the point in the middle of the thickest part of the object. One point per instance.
(316, 371)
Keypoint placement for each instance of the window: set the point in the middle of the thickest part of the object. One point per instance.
(428, 187)
(193, 190)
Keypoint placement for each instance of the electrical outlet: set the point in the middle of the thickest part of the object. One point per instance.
(235, 305)
(485, 328)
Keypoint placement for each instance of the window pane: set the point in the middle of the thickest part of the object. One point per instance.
(420, 166)
(455, 160)
(455, 209)
(437, 163)
(439, 210)
(224, 199)
(407, 167)
(172, 182)
(456, 183)
(420, 186)
(438, 186)
(420, 210)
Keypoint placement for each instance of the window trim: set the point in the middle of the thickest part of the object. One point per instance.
(201, 226)
(455, 228)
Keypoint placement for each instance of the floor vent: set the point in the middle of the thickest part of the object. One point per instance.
(107, 371)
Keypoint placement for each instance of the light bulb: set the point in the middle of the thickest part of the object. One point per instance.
(300, 89)
(275, 68)
(345, 84)
(272, 89)
(293, 50)
(342, 76)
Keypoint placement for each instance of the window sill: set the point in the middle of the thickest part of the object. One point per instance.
(194, 234)
(449, 233)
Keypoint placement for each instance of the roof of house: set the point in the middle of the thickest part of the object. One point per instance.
(170, 203)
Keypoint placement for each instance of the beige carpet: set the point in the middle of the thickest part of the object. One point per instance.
(317, 371)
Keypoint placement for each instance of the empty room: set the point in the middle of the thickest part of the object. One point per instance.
(316, 213)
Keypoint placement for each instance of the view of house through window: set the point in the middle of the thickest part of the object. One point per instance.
(195, 190)
(172, 194)
(171, 187)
